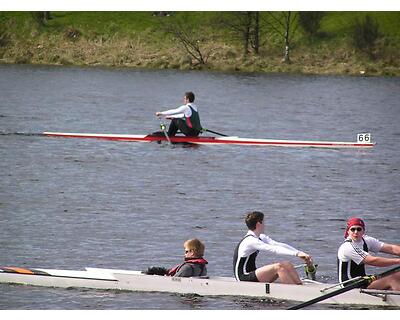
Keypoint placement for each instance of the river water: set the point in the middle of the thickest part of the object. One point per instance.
(75, 203)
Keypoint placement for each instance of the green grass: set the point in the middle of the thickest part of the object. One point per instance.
(103, 22)
(85, 22)
(137, 38)
(337, 24)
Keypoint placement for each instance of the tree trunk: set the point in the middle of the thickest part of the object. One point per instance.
(286, 59)
(246, 36)
(257, 33)
(247, 33)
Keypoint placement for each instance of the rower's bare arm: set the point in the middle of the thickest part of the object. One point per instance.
(381, 261)
(391, 249)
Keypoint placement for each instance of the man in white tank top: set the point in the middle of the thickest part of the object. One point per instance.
(185, 118)
(245, 254)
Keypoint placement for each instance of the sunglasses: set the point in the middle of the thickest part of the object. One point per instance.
(356, 229)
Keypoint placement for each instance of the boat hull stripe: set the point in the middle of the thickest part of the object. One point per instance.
(23, 271)
(35, 272)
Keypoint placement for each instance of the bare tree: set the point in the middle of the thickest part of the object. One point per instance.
(285, 25)
(191, 38)
(245, 26)
(256, 33)
(41, 17)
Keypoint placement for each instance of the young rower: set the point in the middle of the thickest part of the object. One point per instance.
(184, 118)
(193, 266)
(245, 254)
(355, 253)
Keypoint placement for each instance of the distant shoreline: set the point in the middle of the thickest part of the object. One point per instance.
(134, 40)
(113, 55)
(356, 69)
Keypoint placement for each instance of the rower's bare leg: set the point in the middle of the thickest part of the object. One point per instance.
(268, 273)
(391, 282)
(285, 271)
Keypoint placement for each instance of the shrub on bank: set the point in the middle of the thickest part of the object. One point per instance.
(365, 35)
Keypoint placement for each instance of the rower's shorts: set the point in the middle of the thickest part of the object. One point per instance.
(251, 276)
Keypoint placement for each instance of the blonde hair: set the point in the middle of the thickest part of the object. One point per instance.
(196, 245)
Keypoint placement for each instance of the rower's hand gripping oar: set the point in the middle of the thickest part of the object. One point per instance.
(309, 270)
(366, 280)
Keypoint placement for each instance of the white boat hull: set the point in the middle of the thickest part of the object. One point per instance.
(109, 279)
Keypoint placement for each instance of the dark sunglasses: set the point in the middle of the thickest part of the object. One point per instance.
(356, 229)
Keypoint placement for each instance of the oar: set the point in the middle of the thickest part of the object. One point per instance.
(162, 126)
(220, 134)
(357, 284)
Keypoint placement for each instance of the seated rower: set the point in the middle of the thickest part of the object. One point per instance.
(184, 118)
(193, 266)
(355, 252)
(244, 260)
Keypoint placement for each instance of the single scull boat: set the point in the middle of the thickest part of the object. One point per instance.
(363, 140)
(112, 279)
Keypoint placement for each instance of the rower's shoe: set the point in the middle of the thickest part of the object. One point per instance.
(160, 271)
(311, 271)
(158, 134)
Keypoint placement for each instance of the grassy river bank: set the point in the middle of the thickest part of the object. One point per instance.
(138, 39)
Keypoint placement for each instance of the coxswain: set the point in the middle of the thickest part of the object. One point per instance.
(194, 264)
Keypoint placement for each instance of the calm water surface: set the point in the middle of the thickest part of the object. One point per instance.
(74, 203)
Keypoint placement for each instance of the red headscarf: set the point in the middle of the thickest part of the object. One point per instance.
(353, 222)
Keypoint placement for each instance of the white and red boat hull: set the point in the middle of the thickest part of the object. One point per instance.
(208, 140)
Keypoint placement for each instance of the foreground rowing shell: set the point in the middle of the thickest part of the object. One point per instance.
(110, 279)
